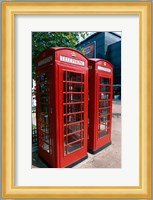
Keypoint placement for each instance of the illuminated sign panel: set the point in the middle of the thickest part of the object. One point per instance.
(71, 60)
(104, 69)
(45, 60)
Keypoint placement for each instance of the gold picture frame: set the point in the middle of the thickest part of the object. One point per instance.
(9, 10)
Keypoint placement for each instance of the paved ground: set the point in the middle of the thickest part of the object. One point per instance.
(109, 157)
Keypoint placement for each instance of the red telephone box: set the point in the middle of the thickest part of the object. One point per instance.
(62, 106)
(100, 104)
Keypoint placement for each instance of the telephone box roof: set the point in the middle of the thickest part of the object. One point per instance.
(61, 48)
(98, 60)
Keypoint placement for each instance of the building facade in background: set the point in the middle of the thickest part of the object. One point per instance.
(105, 45)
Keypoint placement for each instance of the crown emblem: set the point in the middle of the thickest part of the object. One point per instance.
(73, 54)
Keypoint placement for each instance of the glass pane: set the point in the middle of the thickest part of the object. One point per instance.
(105, 118)
(104, 111)
(45, 128)
(65, 110)
(72, 87)
(64, 150)
(43, 88)
(75, 108)
(44, 108)
(76, 77)
(104, 126)
(65, 132)
(104, 96)
(74, 146)
(44, 98)
(43, 77)
(64, 87)
(103, 133)
(104, 88)
(74, 137)
(65, 140)
(104, 104)
(45, 138)
(45, 146)
(64, 120)
(68, 98)
(104, 80)
(74, 118)
(75, 127)
(44, 118)
(65, 98)
(75, 97)
(64, 76)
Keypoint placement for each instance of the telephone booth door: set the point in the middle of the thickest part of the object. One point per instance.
(62, 106)
(100, 109)
(74, 114)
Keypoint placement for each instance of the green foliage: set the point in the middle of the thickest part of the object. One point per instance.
(43, 40)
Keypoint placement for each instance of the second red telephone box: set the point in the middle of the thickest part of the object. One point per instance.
(100, 104)
(62, 106)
